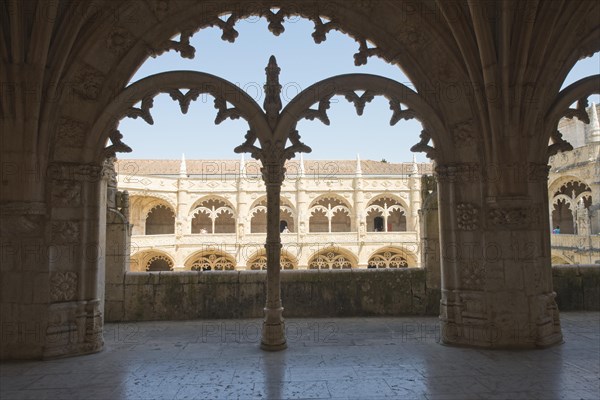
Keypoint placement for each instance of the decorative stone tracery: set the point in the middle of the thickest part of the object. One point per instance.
(388, 259)
(330, 259)
(213, 262)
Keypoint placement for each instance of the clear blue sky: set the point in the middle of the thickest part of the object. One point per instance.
(302, 63)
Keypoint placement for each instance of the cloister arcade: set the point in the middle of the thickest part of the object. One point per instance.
(69, 67)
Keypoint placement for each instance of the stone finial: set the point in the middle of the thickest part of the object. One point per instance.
(358, 166)
(272, 103)
(182, 167)
(594, 128)
(301, 170)
(242, 166)
(414, 169)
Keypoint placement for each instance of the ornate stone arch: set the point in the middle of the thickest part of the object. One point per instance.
(420, 36)
(210, 197)
(160, 219)
(392, 257)
(141, 261)
(392, 214)
(258, 210)
(330, 213)
(258, 261)
(332, 258)
(210, 260)
(212, 214)
(135, 195)
(562, 180)
(576, 92)
(194, 84)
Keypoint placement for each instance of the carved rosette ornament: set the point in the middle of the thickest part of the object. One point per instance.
(70, 132)
(119, 40)
(87, 82)
(63, 286)
(467, 217)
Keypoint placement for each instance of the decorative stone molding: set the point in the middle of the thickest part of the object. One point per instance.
(63, 286)
(330, 260)
(467, 216)
(21, 219)
(458, 172)
(70, 132)
(65, 231)
(73, 171)
(66, 193)
(424, 147)
(463, 133)
(88, 82)
(516, 217)
(119, 40)
(160, 8)
(183, 47)
(116, 146)
(538, 172)
(260, 263)
(473, 275)
(388, 259)
(213, 262)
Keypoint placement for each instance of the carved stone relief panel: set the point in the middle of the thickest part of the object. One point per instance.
(88, 82)
(70, 132)
(467, 216)
(66, 193)
(65, 231)
(63, 286)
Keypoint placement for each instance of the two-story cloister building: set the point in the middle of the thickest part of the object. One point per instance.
(211, 214)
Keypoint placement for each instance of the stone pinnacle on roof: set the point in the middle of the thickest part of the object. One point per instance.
(182, 167)
(242, 166)
(358, 167)
(594, 132)
(301, 168)
(414, 169)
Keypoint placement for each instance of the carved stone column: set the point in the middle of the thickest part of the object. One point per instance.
(77, 216)
(273, 334)
(496, 273)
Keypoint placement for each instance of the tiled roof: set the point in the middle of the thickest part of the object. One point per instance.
(232, 167)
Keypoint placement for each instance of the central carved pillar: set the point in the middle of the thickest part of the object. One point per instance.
(496, 274)
(273, 333)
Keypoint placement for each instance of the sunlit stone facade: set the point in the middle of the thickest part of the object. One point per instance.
(211, 214)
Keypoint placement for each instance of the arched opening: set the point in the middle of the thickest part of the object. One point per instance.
(385, 214)
(258, 216)
(258, 261)
(330, 214)
(160, 221)
(213, 216)
(150, 261)
(390, 258)
(159, 263)
(332, 258)
(571, 202)
(211, 261)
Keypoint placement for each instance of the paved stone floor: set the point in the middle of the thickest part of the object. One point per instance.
(359, 358)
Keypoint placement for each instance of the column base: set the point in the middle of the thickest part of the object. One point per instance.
(466, 322)
(273, 332)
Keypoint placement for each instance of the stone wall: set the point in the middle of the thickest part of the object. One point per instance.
(577, 287)
(240, 294)
(308, 293)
